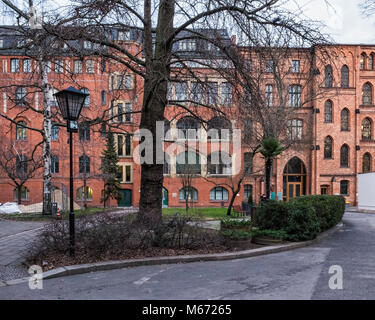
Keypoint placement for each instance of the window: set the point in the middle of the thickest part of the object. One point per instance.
(295, 66)
(167, 164)
(21, 131)
(84, 164)
(219, 128)
(324, 189)
(26, 66)
(362, 62)
(328, 77)
(81, 194)
(344, 156)
(366, 162)
(124, 145)
(126, 173)
(219, 193)
(196, 92)
(226, 93)
(366, 129)
(345, 120)
(24, 193)
(328, 111)
(77, 66)
(54, 164)
(103, 130)
(344, 77)
(248, 191)
(295, 95)
(48, 66)
(58, 64)
(128, 82)
(219, 163)
(370, 65)
(87, 99)
(180, 89)
(248, 162)
(188, 193)
(212, 93)
(367, 94)
(123, 35)
(104, 98)
(1, 43)
(328, 147)
(269, 66)
(55, 133)
(89, 66)
(269, 97)
(84, 132)
(128, 110)
(120, 113)
(14, 65)
(187, 45)
(344, 187)
(167, 134)
(21, 94)
(21, 165)
(188, 163)
(188, 128)
(295, 129)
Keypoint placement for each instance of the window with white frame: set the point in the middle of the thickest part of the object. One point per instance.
(226, 93)
(77, 67)
(58, 64)
(90, 66)
(295, 129)
(295, 66)
(124, 145)
(219, 194)
(26, 65)
(14, 65)
(295, 95)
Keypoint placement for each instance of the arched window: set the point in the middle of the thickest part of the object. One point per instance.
(21, 94)
(370, 65)
(366, 162)
(24, 193)
(167, 130)
(219, 163)
(367, 94)
(104, 98)
(54, 164)
(21, 131)
(81, 194)
(328, 147)
(219, 193)
(328, 77)
(84, 132)
(344, 156)
(84, 164)
(188, 163)
(328, 111)
(219, 128)
(344, 77)
(366, 129)
(87, 99)
(188, 128)
(188, 193)
(345, 120)
(362, 62)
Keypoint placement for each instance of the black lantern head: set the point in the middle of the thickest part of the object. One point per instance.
(70, 102)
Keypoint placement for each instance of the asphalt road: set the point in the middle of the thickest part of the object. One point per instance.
(297, 274)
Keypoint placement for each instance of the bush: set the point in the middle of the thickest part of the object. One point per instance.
(276, 234)
(237, 234)
(301, 218)
(230, 223)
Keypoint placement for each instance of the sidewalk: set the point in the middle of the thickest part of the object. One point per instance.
(14, 238)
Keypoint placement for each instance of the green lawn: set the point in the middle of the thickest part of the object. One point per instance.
(205, 213)
(40, 217)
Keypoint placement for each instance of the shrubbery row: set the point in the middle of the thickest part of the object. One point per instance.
(301, 218)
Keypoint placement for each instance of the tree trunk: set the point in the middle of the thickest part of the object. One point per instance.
(229, 210)
(268, 177)
(19, 195)
(154, 102)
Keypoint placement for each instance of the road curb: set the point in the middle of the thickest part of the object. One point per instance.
(110, 265)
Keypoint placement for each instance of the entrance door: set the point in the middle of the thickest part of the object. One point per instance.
(126, 199)
(165, 198)
(294, 190)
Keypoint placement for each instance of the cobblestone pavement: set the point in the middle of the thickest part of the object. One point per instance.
(14, 237)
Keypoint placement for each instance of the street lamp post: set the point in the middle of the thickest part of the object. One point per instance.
(70, 102)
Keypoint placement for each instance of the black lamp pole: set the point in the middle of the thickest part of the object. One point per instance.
(70, 102)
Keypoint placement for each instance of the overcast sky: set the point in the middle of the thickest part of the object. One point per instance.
(345, 22)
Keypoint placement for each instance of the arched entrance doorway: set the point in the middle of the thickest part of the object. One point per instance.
(294, 179)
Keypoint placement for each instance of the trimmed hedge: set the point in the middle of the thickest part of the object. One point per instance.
(301, 218)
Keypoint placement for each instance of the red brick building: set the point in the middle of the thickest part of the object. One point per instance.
(336, 126)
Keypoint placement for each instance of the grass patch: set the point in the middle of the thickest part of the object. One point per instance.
(203, 213)
(64, 215)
